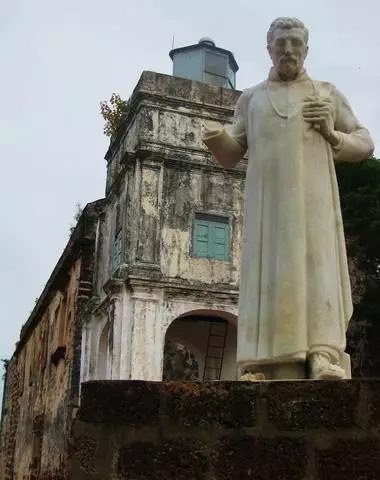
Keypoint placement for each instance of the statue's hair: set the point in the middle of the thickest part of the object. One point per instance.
(287, 23)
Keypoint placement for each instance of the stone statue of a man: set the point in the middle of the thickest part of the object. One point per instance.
(295, 296)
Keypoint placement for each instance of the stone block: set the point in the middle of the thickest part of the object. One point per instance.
(299, 430)
(352, 459)
(209, 94)
(150, 82)
(133, 403)
(180, 88)
(308, 405)
(85, 450)
(216, 404)
(258, 458)
(230, 97)
(180, 459)
(369, 413)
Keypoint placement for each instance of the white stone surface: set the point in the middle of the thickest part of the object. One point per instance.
(295, 296)
(140, 324)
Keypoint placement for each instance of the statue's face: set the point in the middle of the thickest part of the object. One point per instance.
(288, 51)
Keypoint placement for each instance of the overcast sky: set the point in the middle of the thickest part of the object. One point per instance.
(60, 59)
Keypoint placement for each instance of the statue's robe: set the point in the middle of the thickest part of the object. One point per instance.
(295, 295)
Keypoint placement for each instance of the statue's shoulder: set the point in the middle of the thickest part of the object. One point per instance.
(324, 88)
(252, 91)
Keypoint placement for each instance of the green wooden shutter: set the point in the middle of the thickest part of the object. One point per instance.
(211, 239)
(201, 238)
(219, 241)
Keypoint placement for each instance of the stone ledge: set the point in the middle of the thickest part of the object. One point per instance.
(228, 430)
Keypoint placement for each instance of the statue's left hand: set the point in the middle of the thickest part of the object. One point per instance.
(318, 112)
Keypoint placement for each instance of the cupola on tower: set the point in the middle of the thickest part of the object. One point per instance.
(205, 62)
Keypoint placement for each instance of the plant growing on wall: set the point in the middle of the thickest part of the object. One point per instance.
(77, 214)
(5, 363)
(114, 112)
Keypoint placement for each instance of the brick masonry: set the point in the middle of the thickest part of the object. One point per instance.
(227, 430)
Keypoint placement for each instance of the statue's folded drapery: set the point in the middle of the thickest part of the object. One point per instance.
(295, 295)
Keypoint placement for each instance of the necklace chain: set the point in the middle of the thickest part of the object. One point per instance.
(288, 115)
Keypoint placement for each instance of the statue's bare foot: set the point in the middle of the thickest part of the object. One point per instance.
(321, 368)
(252, 377)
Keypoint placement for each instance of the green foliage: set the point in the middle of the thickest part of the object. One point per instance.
(77, 214)
(5, 363)
(359, 186)
(114, 112)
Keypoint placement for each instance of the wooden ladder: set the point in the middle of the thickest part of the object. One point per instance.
(216, 345)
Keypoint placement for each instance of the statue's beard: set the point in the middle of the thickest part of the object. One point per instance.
(288, 68)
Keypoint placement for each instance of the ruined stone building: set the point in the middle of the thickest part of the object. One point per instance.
(147, 287)
(42, 378)
(168, 248)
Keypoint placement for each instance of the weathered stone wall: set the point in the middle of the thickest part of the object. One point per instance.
(42, 381)
(187, 192)
(11, 414)
(159, 176)
(138, 319)
(228, 430)
(36, 423)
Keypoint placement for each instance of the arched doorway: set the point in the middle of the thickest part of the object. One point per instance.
(201, 345)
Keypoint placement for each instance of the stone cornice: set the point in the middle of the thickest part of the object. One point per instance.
(170, 154)
(185, 288)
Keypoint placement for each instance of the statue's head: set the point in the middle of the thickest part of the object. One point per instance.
(287, 40)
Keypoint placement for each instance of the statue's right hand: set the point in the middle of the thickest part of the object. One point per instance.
(318, 112)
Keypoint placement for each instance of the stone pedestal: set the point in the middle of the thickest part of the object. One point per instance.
(296, 430)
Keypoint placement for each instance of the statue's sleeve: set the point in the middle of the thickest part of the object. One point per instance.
(229, 144)
(355, 143)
